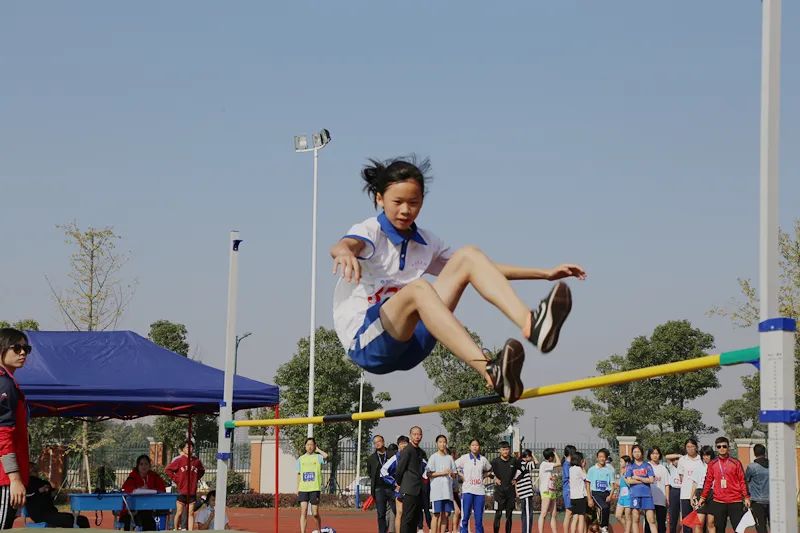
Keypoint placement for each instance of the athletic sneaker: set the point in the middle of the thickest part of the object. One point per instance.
(548, 318)
(505, 370)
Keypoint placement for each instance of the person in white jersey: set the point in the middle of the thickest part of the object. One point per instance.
(687, 465)
(389, 318)
(473, 469)
(441, 470)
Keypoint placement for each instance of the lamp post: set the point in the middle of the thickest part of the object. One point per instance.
(319, 141)
(239, 338)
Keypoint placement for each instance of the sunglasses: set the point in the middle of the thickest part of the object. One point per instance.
(722, 446)
(19, 348)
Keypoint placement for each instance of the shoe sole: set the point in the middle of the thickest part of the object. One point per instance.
(558, 307)
(513, 357)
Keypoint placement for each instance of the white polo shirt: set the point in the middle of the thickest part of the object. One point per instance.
(473, 468)
(389, 262)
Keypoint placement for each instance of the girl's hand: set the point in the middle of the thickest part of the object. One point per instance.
(351, 268)
(17, 493)
(567, 270)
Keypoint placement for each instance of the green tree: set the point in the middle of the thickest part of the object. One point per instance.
(123, 434)
(656, 410)
(336, 390)
(740, 415)
(28, 324)
(457, 381)
(170, 335)
(173, 430)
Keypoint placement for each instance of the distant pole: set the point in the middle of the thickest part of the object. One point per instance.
(358, 445)
(320, 140)
(226, 405)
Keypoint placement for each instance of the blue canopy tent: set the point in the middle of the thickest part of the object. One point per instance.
(120, 374)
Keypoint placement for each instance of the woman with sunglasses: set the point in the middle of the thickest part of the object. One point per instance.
(14, 350)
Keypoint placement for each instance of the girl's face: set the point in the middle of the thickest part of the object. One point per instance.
(601, 459)
(655, 456)
(212, 501)
(310, 447)
(402, 202)
(637, 454)
(706, 459)
(622, 465)
(143, 467)
(16, 355)
(691, 449)
(441, 444)
(474, 447)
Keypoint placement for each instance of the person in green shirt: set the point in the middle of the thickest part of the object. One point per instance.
(309, 476)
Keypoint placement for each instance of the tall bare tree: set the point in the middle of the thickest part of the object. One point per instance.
(97, 296)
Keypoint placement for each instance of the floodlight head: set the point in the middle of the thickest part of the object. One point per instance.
(325, 136)
(300, 143)
(317, 140)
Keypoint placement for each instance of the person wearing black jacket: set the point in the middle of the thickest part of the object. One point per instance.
(505, 469)
(40, 507)
(381, 492)
(408, 477)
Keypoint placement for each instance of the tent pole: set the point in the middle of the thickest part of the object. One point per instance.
(277, 466)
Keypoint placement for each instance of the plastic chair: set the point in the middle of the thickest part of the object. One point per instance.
(24, 514)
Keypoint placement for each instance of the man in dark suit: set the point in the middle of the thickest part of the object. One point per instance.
(382, 492)
(409, 480)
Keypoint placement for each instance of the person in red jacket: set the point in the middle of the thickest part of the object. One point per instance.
(142, 477)
(185, 472)
(725, 476)
(14, 460)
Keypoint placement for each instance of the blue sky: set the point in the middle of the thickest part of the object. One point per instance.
(623, 136)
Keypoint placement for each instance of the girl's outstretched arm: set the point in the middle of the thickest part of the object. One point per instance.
(561, 271)
(345, 254)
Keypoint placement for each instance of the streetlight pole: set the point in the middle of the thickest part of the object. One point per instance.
(320, 140)
(239, 338)
(535, 418)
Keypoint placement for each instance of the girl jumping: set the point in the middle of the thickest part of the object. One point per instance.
(388, 318)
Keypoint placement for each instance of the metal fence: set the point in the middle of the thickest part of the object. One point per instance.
(118, 463)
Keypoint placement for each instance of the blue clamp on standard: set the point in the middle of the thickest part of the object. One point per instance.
(777, 324)
(779, 417)
(223, 456)
(222, 403)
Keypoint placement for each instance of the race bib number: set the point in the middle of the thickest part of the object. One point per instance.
(309, 476)
(640, 472)
(602, 486)
(475, 482)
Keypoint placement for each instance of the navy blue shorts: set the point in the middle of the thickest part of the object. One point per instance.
(377, 352)
(443, 506)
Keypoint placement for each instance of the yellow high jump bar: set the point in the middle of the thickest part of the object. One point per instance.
(747, 355)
